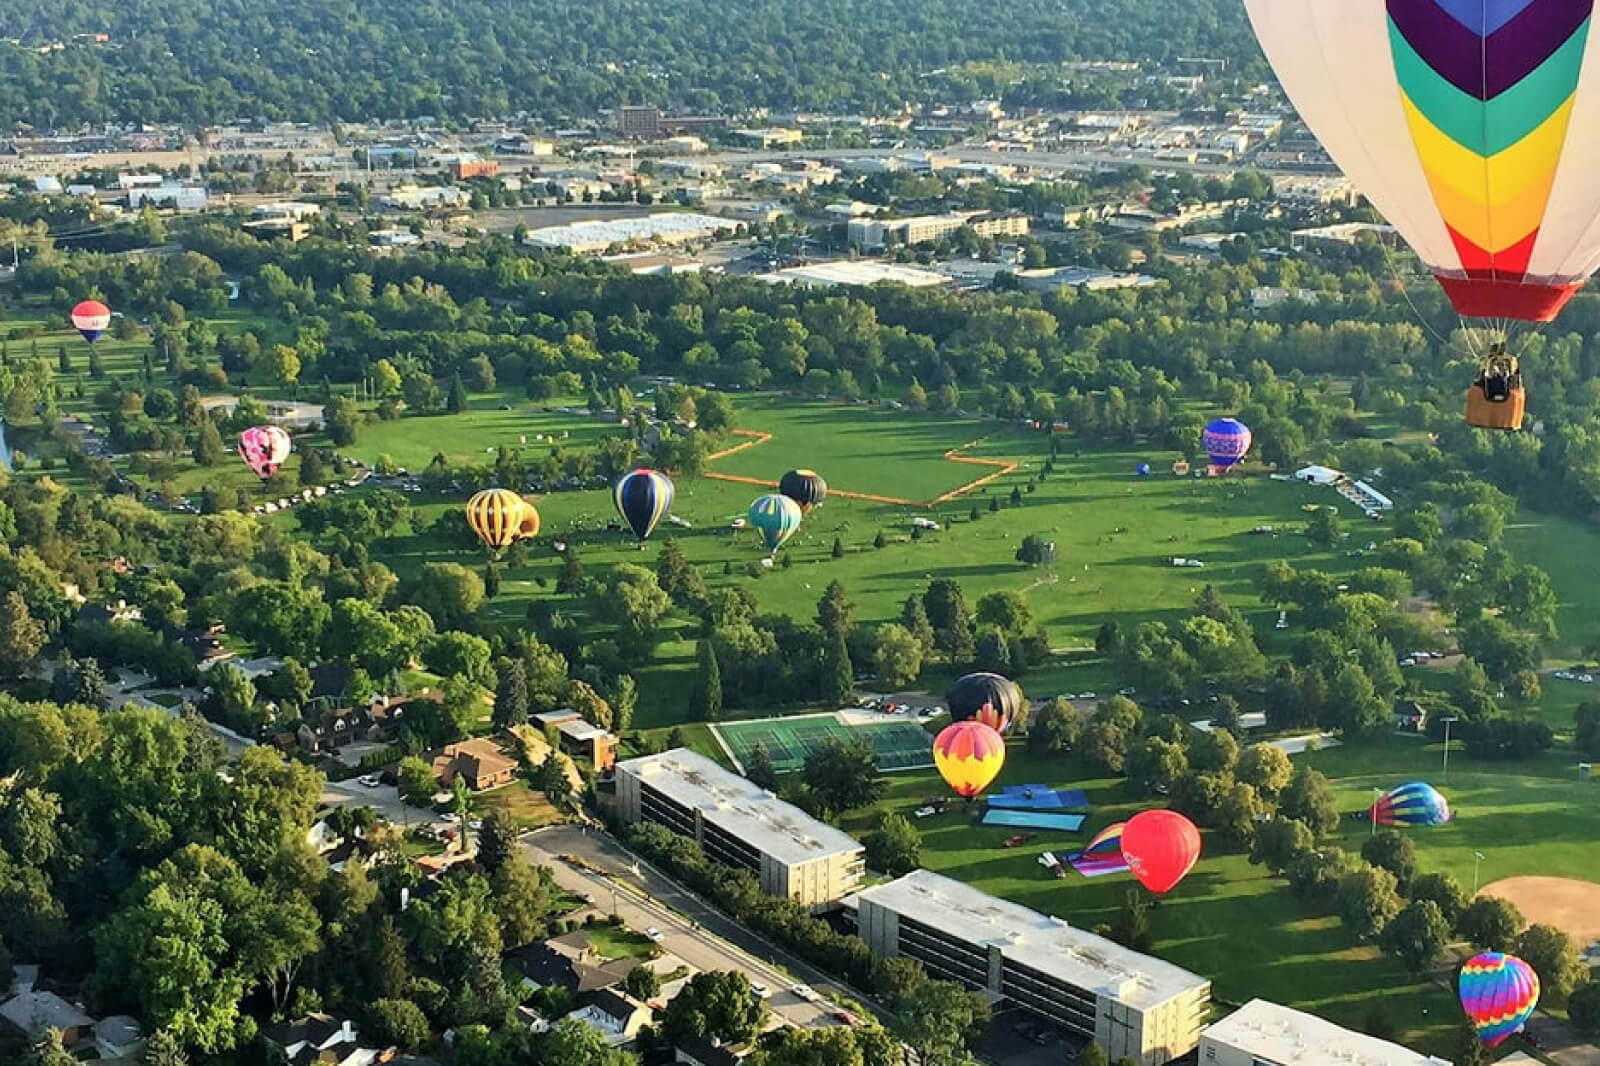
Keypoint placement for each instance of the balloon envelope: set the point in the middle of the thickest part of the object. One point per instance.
(988, 698)
(804, 487)
(1499, 993)
(264, 449)
(91, 318)
(1143, 469)
(775, 517)
(643, 499)
(496, 516)
(1413, 803)
(1107, 841)
(1226, 440)
(1160, 847)
(969, 755)
(1456, 119)
(529, 526)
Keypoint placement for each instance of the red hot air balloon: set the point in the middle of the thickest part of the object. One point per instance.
(1160, 847)
(90, 318)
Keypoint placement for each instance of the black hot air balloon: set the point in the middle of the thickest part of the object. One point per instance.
(993, 700)
(804, 487)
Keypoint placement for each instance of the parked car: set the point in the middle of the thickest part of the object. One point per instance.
(805, 992)
(760, 989)
(370, 780)
(655, 934)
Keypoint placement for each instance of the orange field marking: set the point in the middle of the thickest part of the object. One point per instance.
(756, 439)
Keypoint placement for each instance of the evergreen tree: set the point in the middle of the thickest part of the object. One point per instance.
(838, 677)
(208, 445)
(570, 580)
(994, 503)
(96, 369)
(838, 548)
(389, 973)
(880, 540)
(497, 841)
(1016, 497)
(914, 616)
(457, 401)
(22, 636)
(671, 568)
(705, 702)
(834, 610)
(510, 694)
(491, 579)
(759, 769)
(63, 360)
(311, 468)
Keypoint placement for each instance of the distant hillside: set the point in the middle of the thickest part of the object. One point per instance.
(208, 60)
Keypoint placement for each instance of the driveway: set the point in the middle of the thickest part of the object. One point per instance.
(1560, 1043)
(694, 931)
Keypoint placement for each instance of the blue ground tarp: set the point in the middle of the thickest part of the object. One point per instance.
(1068, 823)
(1039, 798)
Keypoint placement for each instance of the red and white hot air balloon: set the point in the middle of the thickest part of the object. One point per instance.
(91, 318)
(264, 449)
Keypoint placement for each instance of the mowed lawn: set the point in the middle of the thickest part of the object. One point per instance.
(1115, 535)
(1567, 550)
(1243, 928)
(492, 421)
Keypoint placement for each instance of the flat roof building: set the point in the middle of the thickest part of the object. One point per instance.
(741, 825)
(1130, 1004)
(870, 233)
(1264, 1034)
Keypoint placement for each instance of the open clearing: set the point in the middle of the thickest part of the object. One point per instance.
(1569, 905)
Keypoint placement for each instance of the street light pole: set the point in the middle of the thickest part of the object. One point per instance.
(1445, 772)
(1477, 857)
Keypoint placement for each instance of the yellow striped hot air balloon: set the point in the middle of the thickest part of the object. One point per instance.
(496, 516)
(528, 528)
(969, 756)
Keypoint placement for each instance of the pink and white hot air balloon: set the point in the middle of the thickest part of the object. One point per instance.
(91, 318)
(264, 448)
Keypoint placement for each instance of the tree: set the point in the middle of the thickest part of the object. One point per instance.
(582, 697)
(642, 983)
(713, 1005)
(1491, 924)
(1583, 1008)
(22, 636)
(399, 1023)
(838, 548)
(993, 652)
(1551, 954)
(497, 840)
(571, 1042)
(1216, 751)
(1393, 852)
(1053, 729)
(1280, 842)
(456, 402)
(631, 598)
(1235, 815)
(311, 472)
(388, 972)
(343, 419)
(1468, 1047)
(457, 654)
(1131, 927)
(1323, 528)
(834, 611)
(415, 781)
(1105, 745)
(281, 364)
(1310, 799)
(208, 450)
(551, 778)
(897, 656)
(1366, 899)
(449, 592)
(569, 582)
(1265, 768)
(759, 769)
(1443, 890)
(838, 678)
(914, 618)
(163, 1049)
(1416, 935)
(705, 699)
(894, 846)
(522, 901)
(510, 693)
(938, 1019)
(1155, 763)
(842, 775)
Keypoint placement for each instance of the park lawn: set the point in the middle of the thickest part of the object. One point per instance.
(473, 436)
(1242, 928)
(616, 942)
(1569, 551)
(527, 808)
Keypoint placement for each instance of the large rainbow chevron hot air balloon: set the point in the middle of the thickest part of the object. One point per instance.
(1498, 992)
(1472, 125)
(969, 755)
(1413, 803)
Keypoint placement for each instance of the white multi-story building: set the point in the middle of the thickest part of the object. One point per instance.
(872, 234)
(741, 825)
(1130, 1004)
(1264, 1034)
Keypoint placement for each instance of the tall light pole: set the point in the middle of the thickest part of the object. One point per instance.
(1477, 857)
(1445, 772)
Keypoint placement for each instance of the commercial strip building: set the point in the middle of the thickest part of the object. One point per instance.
(851, 272)
(1130, 1004)
(741, 825)
(874, 233)
(598, 235)
(1264, 1034)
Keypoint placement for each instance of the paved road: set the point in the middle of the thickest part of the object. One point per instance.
(717, 943)
(1560, 1043)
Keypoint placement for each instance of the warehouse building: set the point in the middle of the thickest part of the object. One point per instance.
(1130, 1004)
(1264, 1034)
(741, 825)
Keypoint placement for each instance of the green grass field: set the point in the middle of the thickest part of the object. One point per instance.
(1562, 547)
(1525, 818)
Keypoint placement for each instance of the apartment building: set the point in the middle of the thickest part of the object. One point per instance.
(1264, 1034)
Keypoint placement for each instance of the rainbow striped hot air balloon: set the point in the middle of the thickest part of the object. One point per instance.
(1107, 842)
(643, 498)
(1227, 441)
(1413, 803)
(776, 517)
(1498, 992)
(969, 755)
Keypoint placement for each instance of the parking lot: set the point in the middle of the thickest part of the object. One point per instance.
(1016, 1038)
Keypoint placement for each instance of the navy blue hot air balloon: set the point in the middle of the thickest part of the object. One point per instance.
(1226, 440)
(643, 498)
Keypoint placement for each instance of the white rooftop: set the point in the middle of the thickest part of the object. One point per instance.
(738, 807)
(660, 226)
(856, 272)
(1040, 942)
(1294, 1038)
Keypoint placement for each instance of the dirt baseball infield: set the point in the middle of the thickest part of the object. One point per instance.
(1569, 905)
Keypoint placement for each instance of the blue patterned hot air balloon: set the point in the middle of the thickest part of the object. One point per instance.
(1226, 441)
(643, 499)
(776, 517)
(1413, 803)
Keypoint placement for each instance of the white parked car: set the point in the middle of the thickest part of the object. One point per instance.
(655, 934)
(761, 990)
(805, 992)
(370, 780)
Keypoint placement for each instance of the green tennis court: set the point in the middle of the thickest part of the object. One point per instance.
(898, 745)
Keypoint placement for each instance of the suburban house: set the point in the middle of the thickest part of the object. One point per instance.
(567, 962)
(586, 741)
(319, 1039)
(334, 729)
(615, 1016)
(698, 1051)
(204, 645)
(1410, 716)
(479, 762)
(34, 1013)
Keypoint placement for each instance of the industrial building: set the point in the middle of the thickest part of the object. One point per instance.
(1264, 1034)
(873, 233)
(1128, 1003)
(597, 235)
(641, 123)
(177, 197)
(741, 825)
(855, 272)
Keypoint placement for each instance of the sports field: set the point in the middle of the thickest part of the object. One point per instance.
(898, 745)
(1243, 928)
